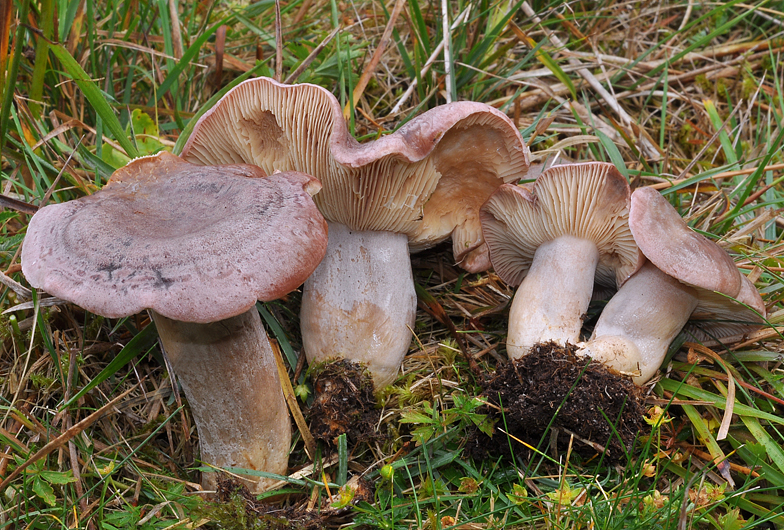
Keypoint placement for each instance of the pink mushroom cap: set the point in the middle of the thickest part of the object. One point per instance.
(676, 250)
(193, 243)
(427, 180)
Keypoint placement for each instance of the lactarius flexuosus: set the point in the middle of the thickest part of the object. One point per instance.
(197, 246)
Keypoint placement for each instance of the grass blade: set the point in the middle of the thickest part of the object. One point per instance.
(726, 144)
(8, 94)
(342, 460)
(96, 99)
(279, 334)
(189, 56)
(143, 342)
(690, 392)
(613, 153)
(46, 23)
(773, 449)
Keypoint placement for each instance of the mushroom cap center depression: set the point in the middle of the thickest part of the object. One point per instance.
(148, 219)
(141, 213)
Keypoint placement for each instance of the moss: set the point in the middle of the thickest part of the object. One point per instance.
(237, 509)
(683, 136)
(41, 381)
(233, 515)
(704, 83)
(151, 425)
(93, 327)
(449, 351)
(7, 330)
(722, 89)
(748, 85)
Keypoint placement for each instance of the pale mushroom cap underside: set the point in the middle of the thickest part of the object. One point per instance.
(587, 200)
(426, 180)
(194, 243)
(668, 242)
(717, 316)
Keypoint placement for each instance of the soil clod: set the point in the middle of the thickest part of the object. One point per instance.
(553, 388)
(343, 403)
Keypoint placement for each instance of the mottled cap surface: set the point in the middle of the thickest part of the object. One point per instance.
(677, 250)
(587, 200)
(426, 180)
(194, 243)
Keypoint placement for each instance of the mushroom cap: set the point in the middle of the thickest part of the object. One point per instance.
(668, 242)
(426, 180)
(193, 243)
(587, 200)
(717, 316)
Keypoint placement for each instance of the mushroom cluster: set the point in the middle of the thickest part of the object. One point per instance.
(686, 275)
(197, 246)
(578, 224)
(554, 238)
(577, 230)
(198, 240)
(404, 192)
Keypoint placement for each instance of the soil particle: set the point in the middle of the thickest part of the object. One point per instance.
(552, 388)
(343, 403)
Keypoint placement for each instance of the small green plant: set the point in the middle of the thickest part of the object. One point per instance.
(433, 421)
(41, 381)
(145, 132)
(41, 480)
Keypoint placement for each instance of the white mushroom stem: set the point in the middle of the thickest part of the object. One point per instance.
(640, 321)
(228, 372)
(550, 303)
(360, 303)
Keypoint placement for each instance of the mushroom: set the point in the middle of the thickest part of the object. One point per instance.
(198, 246)
(408, 190)
(686, 274)
(554, 238)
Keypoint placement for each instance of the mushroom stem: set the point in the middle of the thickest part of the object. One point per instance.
(228, 372)
(360, 303)
(550, 303)
(640, 321)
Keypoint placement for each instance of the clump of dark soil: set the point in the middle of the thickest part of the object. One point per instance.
(554, 387)
(343, 403)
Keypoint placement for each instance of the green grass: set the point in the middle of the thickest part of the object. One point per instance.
(86, 88)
